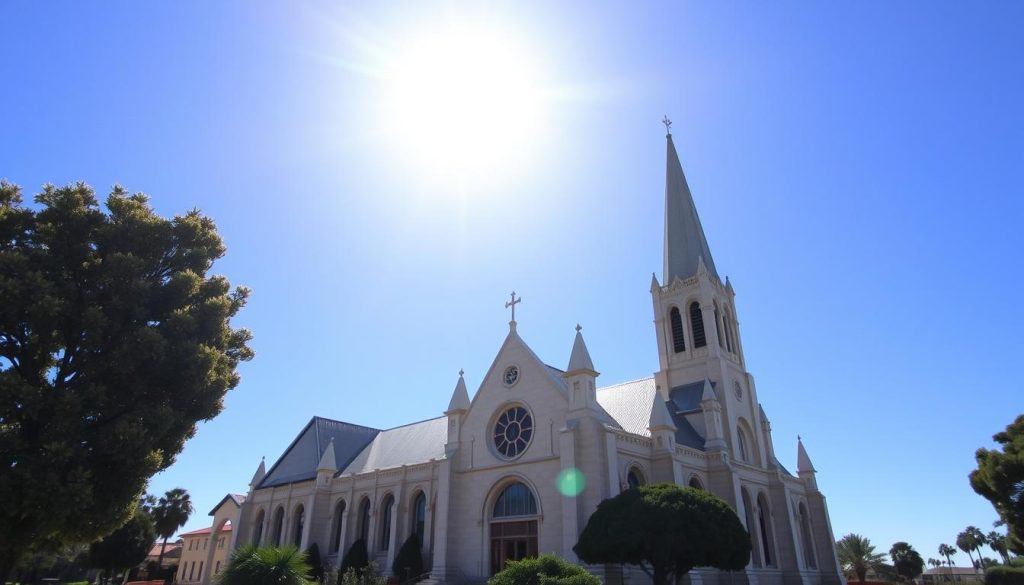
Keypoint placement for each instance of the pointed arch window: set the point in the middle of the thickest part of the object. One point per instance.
(339, 521)
(385, 522)
(741, 437)
(278, 526)
(513, 526)
(364, 520)
(805, 536)
(678, 343)
(300, 522)
(419, 517)
(257, 531)
(718, 326)
(727, 325)
(515, 500)
(763, 526)
(695, 483)
(634, 478)
(697, 323)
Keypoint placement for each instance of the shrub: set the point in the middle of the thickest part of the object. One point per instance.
(409, 560)
(316, 565)
(251, 565)
(357, 557)
(545, 569)
(1004, 576)
(366, 576)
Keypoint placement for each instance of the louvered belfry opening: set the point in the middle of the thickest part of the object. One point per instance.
(697, 323)
(678, 345)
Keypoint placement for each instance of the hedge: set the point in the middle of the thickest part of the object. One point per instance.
(1004, 576)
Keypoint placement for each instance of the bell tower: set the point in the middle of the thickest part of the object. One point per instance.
(696, 325)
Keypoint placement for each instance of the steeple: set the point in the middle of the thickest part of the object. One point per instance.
(579, 359)
(460, 397)
(803, 462)
(685, 244)
(257, 477)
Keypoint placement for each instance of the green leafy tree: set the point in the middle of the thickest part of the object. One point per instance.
(409, 560)
(170, 513)
(543, 570)
(857, 555)
(907, 561)
(666, 530)
(357, 557)
(125, 547)
(114, 343)
(252, 565)
(999, 478)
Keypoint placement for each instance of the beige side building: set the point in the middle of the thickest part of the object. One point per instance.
(205, 552)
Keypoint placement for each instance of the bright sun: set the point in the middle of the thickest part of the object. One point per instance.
(465, 102)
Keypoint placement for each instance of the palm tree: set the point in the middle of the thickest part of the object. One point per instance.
(965, 542)
(997, 542)
(948, 551)
(170, 513)
(857, 555)
(252, 565)
(978, 538)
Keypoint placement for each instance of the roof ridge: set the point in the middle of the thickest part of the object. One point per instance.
(624, 383)
(413, 423)
(334, 420)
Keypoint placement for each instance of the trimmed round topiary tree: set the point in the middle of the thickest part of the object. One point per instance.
(545, 569)
(666, 530)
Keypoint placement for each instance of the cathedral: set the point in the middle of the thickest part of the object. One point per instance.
(496, 477)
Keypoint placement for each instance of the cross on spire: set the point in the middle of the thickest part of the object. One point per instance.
(513, 304)
(667, 123)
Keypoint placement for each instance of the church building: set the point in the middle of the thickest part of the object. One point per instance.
(479, 485)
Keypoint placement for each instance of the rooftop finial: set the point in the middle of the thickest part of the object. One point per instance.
(461, 372)
(578, 328)
(668, 124)
(513, 304)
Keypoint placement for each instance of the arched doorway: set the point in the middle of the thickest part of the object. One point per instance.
(513, 526)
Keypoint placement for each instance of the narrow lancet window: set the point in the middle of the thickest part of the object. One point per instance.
(697, 323)
(678, 345)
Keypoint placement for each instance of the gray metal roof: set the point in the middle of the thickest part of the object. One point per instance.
(686, 398)
(301, 458)
(685, 243)
(630, 404)
(406, 445)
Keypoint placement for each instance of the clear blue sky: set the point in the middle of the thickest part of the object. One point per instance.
(858, 169)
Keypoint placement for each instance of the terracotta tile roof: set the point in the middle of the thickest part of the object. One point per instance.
(226, 528)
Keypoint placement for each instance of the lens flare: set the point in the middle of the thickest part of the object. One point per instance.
(570, 482)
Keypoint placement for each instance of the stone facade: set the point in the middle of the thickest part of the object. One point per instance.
(481, 484)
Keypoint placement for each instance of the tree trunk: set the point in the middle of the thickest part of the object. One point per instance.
(160, 560)
(659, 575)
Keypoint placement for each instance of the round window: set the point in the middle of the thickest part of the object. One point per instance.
(513, 431)
(511, 376)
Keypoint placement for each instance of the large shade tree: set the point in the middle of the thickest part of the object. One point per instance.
(114, 343)
(906, 561)
(999, 478)
(666, 530)
(857, 555)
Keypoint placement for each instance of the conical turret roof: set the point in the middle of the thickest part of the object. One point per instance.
(803, 461)
(579, 359)
(685, 244)
(460, 396)
(328, 461)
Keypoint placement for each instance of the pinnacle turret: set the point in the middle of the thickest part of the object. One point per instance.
(579, 359)
(685, 244)
(328, 462)
(257, 477)
(460, 397)
(803, 461)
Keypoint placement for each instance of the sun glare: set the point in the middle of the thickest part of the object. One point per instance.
(465, 102)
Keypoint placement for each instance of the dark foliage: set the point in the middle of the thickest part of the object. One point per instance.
(666, 530)
(409, 560)
(114, 343)
(357, 557)
(999, 477)
(316, 564)
(907, 561)
(1004, 576)
(125, 547)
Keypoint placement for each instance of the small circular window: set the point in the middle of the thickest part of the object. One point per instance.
(511, 376)
(513, 431)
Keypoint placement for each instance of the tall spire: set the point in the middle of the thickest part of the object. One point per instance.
(685, 244)
(579, 359)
